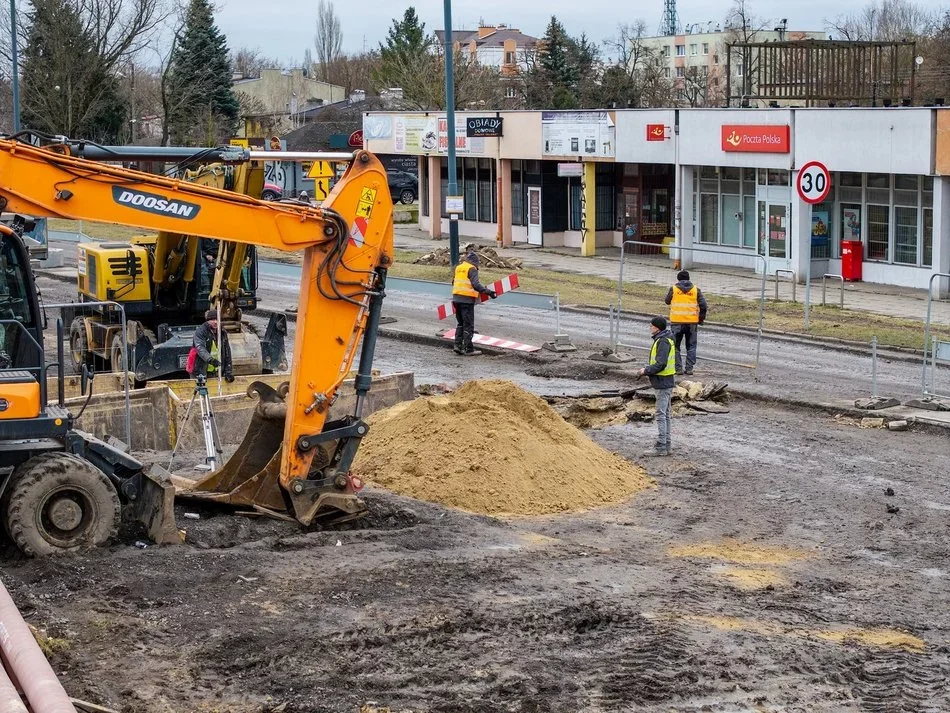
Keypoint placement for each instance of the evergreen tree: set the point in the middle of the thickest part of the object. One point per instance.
(406, 40)
(405, 61)
(67, 87)
(202, 108)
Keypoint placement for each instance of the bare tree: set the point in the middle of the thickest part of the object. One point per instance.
(122, 28)
(329, 38)
(743, 27)
(884, 21)
(637, 78)
(249, 62)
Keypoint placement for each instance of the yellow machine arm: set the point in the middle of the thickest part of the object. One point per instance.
(347, 247)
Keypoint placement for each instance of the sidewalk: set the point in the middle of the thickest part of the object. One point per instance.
(904, 302)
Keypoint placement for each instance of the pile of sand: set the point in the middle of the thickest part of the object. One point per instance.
(490, 447)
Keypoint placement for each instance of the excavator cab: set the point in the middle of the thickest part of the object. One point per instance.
(60, 488)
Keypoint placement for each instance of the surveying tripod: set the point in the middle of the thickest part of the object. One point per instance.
(209, 426)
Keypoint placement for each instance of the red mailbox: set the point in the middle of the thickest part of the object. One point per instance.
(852, 254)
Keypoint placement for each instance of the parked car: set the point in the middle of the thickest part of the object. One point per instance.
(272, 192)
(403, 185)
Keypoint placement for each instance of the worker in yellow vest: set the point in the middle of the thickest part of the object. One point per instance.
(661, 368)
(687, 311)
(465, 295)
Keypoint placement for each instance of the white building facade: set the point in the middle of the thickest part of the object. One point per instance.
(720, 180)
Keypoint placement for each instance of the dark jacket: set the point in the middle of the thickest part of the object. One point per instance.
(663, 347)
(203, 341)
(476, 285)
(686, 286)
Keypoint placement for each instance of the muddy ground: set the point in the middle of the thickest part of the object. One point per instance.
(764, 573)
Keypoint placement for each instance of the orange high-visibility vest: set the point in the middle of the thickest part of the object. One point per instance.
(461, 285)
(684, 309)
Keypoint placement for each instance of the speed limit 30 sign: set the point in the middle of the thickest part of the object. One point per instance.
(814, 182)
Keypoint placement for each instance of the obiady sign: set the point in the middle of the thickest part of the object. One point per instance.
(756, 138)
(484, 126)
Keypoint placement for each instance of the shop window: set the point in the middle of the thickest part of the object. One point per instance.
(927, 258)
(708, 172)
(878, 230)
(850, 179)
(905, 235)
(517, 194)
(486, 190)
(709, 218)
(851, 221)
(748, 222)
(778, 177)
(469, 188)
(879, 180)
(905, 183)
(424, 188)
(731, 225)
(605, 196)
(574, 191)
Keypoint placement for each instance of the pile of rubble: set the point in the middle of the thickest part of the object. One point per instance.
(487, 256)
(616, 408)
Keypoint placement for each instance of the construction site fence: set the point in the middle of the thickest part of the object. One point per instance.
(935, 369)
(72, 310)
(717, 349)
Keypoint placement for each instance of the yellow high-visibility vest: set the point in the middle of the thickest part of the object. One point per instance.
(670, 361)
(461, 285)
(684, 308)
(214, 355)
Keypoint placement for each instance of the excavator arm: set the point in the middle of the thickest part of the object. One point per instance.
(347, 247)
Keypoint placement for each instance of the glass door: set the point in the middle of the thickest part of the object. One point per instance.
(775, 235)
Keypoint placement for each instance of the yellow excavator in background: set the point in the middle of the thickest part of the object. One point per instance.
(62, 488)
(182, 277)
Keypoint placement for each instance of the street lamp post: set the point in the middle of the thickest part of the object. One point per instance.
(453, 188)
(16, 69)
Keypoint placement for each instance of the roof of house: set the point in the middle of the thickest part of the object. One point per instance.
(323, 121)
(495, 39)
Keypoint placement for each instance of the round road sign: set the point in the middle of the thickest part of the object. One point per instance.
(813, 182)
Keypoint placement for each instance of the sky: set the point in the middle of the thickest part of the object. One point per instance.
(284, 29)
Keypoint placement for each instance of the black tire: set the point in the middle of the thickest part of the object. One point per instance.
(78, 345)
(59, 502)
(117, 355)
(407, 196)
(269, 196)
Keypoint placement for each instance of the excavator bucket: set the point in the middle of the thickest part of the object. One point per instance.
(251, 477)
(154, 508)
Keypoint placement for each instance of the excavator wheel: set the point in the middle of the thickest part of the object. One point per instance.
(118, 356)
(78, 344)
(59, 502)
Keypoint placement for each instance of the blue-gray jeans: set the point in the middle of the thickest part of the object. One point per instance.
(688, 332)
(664, 399)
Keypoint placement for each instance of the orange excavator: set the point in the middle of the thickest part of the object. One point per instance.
(61, 488)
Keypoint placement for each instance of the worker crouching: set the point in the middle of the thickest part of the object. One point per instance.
(466, 290)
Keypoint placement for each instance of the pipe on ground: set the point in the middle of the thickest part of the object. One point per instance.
(43, 690)
(10, 701)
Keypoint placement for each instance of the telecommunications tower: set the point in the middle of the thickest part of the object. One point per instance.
(671, 22)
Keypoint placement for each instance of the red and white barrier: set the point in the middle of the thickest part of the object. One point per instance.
(506, 284)
(487, 341)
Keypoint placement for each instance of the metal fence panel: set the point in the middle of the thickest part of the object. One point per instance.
(935, 369)
(726, 289)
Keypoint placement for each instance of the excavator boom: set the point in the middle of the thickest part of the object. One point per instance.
(346, 245)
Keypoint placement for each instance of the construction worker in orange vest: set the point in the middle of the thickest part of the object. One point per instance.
(465, 295)
(687, 311)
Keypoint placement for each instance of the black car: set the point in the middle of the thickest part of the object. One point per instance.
(403, 185)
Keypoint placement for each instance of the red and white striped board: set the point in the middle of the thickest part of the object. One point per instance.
(358, 231)
(506, 284)
(496, 342)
